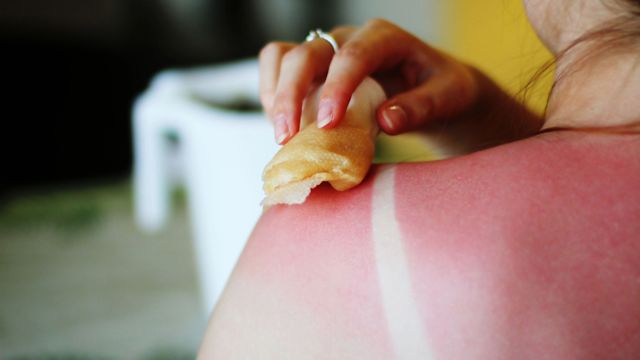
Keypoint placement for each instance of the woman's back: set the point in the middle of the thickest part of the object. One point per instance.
(527, 248)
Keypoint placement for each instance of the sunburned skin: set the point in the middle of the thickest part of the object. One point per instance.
(530, 250)
(306, 285)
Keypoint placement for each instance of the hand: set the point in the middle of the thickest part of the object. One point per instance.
(424, 85)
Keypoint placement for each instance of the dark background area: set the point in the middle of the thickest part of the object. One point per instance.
(72, 69)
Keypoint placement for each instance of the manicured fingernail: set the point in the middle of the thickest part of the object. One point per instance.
(325, 114)
(394, 116)
(281, 129)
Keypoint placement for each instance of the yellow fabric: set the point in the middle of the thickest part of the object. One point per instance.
(412, 147)
(496, 37)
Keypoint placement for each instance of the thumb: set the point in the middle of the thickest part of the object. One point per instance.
(440, 97)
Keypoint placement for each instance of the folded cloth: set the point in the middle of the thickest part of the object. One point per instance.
(342, 155)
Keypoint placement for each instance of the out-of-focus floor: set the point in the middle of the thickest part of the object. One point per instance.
(79, 281)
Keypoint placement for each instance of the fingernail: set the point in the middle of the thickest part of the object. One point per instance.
(325, 114)
(394, 116)
(281, 129)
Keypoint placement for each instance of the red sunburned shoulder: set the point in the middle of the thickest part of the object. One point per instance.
(528, 248)
(532, 247)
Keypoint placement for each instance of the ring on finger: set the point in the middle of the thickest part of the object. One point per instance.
(319, 34)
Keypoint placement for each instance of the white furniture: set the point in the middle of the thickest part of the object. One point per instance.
(219, 156)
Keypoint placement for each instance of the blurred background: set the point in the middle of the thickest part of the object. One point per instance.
(78, 279)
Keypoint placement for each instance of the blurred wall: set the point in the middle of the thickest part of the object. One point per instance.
(423, 18)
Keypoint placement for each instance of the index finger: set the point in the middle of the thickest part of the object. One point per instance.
(269, 63)
(379, 44)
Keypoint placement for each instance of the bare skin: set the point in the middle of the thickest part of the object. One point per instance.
(591, 91)
(526, 250)
(546, 267)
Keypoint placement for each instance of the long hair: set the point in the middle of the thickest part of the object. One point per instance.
(617, 34)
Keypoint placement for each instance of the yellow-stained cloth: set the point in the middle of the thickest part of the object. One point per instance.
(342, 155)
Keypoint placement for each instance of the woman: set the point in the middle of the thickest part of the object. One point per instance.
(529, 249)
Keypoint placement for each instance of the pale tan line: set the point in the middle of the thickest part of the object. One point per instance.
(401, 310)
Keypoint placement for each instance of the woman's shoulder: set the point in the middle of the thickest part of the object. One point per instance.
(554, 186)
(550, 185)
(460, 251)
(545, 155)
(543, 179)
(566, 167)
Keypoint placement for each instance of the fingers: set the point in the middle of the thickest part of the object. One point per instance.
(446, 94)
(269, 63)
(287, 73)
(440, 86)
(377, 45)
(298, 69)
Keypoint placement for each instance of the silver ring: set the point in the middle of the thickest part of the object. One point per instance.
(317, 33)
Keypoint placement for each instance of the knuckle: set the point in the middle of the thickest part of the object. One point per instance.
(285, 96)
(299, 54)
(267, 105)
(378, 23)
(352, 51)
(335, 89)
(272, 49)
(266, 97)
(423, 106)
(389, 29)
(463, 83)
(267, 50)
